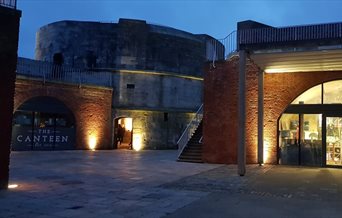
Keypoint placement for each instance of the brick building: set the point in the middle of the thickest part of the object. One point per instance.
(90, 80)
(277, 99)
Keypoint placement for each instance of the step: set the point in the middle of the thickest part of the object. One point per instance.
(190, 157)
(192, 151)
(194, 145)
(190, 161)
(189, 154)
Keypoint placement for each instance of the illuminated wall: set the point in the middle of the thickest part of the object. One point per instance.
(91, 107)
(221, 112)
(152, 128)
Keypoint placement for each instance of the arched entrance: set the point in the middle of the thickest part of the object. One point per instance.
(43, 123)
(310, 129)
(123, 133)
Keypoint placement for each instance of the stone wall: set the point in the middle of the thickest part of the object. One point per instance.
(91, 107)
(160, 129)
(156, 92)
(129, 44)
(220, 130)
(9, 28)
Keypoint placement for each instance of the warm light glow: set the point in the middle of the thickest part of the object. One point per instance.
(137, 141)
(92, 143)
(11, 186)
(128, 124)
(266, 151)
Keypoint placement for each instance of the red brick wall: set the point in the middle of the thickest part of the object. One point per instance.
(220, 127)
(91, 107)
(221, 105)
(220, 113)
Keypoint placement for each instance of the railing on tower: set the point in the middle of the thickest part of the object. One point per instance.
(190, 130)
(9, 3)
(230, 43)
(329, 32)
(221, 49)
(47, 71)
(290, 34)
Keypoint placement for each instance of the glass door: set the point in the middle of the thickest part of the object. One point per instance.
(289, 139)
(311, 139)
(300, 139)
(333, 141)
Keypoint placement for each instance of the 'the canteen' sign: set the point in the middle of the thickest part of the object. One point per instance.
(24, 138)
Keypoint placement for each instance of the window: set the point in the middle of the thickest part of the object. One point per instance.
(130, 86)
(311, 96)
(332, 92)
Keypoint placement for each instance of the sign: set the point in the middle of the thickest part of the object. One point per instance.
(26, 138)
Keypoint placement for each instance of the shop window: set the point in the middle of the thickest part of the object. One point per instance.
(332, 92)
(311, 96)
(23, 118)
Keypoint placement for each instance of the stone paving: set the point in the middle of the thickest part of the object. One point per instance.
(122, 183)
(119, 183)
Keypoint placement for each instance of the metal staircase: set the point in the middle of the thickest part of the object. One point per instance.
(190, 143)
(193, 150)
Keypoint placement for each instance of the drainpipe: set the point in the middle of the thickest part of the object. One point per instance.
(241, 153)
(261, 118)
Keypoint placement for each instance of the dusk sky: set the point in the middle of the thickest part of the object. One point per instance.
(213, 17)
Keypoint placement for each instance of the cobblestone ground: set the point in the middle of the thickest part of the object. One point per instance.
(117, 183)
(152, 184)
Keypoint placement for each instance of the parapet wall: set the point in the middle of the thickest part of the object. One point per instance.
(129, 44)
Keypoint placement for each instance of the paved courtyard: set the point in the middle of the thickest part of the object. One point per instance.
(122, 183)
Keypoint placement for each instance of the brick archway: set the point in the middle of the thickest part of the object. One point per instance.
(91, 107)
(280, 91)
(221, 112)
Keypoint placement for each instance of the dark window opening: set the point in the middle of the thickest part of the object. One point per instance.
(166, 116)
(130, 86)
(90, 59)
(58, 59)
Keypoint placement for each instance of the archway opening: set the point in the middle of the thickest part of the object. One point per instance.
(43, 123)
(310, 129)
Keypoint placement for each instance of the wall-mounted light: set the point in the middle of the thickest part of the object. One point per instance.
(266, 151)
(92, 142)
(137, 141)
(12, 186)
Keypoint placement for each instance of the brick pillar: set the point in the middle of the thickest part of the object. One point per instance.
(9, 27)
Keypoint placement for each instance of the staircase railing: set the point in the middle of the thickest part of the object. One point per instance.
(189, 131)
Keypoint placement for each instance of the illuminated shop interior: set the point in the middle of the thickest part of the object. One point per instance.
(310, 129)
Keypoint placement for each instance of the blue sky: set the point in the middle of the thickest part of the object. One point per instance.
(214, 17)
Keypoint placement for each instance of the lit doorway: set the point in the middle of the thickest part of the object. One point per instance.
(123, 132)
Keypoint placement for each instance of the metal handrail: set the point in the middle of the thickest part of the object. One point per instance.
(274, 35)
(291, 33)
(190, 130)
(47, 71)
(9, 3)
(220, 49)
(230, 43)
